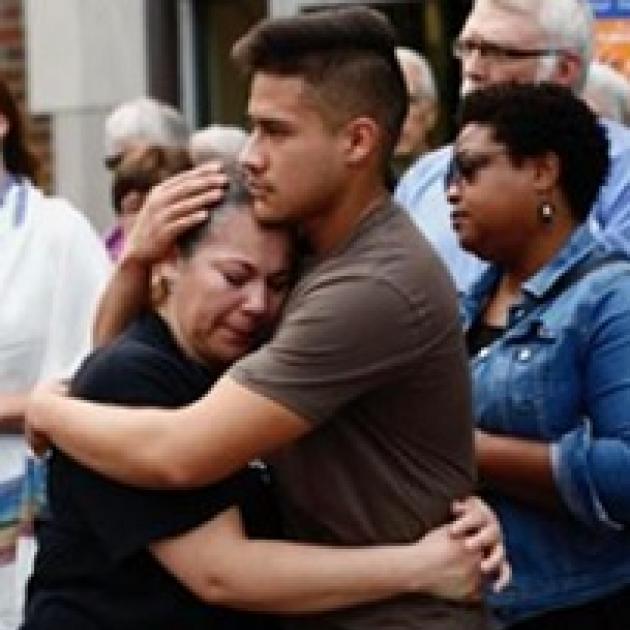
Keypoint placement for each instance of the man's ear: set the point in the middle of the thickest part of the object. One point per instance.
(568, 70)
(362, 139)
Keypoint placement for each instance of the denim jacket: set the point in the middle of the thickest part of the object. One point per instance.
(561, 374)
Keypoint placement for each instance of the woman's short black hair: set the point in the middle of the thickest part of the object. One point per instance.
(532, 120)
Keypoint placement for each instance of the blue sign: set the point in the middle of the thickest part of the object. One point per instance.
(611, 8)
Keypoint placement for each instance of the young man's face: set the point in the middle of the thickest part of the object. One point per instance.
(294, 159)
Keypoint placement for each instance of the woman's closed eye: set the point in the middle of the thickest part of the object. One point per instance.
(236, 278)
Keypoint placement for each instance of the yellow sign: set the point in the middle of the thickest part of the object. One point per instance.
(612, 43)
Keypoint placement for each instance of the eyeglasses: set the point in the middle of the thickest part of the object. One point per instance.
(112, 161)
(464, 48)
(466, 166)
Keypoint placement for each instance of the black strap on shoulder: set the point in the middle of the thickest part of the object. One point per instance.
(587, 267)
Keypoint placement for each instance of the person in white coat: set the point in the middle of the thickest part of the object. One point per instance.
(52, 268)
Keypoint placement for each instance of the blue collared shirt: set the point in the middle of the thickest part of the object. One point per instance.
(421, 192)
(561, 374)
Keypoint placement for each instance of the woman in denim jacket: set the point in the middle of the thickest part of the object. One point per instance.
(548, 331)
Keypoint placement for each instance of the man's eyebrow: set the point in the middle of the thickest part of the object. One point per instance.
(266, 120)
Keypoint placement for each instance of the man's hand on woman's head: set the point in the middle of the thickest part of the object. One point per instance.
(172, 207)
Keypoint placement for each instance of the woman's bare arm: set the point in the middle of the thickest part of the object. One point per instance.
(222, 566)
(519, 468)
(12, 410)
(125, 296)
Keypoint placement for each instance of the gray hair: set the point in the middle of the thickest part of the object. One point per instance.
(568, 24)
(427, 88)
(216, 141)
(237, 198)
(144, 120)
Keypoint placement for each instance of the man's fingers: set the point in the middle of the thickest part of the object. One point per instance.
(179, 226)
(184, 185)
(481, 539)
(493, 560)
(504, 577)
(201, 201)
(207, 169)
(469, 521)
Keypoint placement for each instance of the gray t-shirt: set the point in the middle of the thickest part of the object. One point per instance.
(370, 351)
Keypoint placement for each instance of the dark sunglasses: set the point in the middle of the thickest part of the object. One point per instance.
(112, 161)
(464, 167)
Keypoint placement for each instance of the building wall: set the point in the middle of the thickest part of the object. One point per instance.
(83, 57)
(13, 69)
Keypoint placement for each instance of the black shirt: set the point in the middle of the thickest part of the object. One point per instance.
(92, 569)
(481, 335)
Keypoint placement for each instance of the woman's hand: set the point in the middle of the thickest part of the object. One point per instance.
(480, 531)
(38, 407)
(464, 554)
(447, 568)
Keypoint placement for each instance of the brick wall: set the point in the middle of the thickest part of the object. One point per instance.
(14, 71)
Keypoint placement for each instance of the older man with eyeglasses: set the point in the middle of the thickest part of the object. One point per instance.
(522, 41)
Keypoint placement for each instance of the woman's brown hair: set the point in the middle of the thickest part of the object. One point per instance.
(18, 158)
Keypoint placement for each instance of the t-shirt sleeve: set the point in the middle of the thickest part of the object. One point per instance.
(125, 519)
(344, 338)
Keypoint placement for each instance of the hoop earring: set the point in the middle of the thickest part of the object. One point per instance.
(546, 212)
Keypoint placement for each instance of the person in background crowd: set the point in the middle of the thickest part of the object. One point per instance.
(52, 269)
(548, 330)
(118, 573)
(366, 420)
(524, 41)
(607, 92)
(216, 142)
(143, 121)
(140, 169)
(415, 135)
(133, 124)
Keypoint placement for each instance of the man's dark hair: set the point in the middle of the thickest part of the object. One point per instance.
(347, 55)
(532, 120)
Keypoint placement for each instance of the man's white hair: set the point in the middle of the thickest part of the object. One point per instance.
(426, 85)
(607, 91)
(144, 120)
(568, 24)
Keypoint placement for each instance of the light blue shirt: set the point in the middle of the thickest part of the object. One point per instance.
(421, 192)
